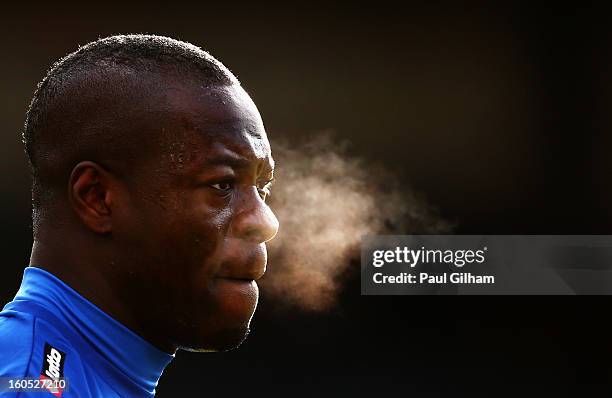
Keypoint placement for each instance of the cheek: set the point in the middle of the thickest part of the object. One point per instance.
(204, 227)
(176, 246)
(194, 224)
(181, 243)
(192, 243)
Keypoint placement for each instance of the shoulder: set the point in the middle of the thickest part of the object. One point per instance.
(32, 347)
(25, 342)
(16, 342)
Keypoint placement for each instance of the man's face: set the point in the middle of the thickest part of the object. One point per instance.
(196, 221)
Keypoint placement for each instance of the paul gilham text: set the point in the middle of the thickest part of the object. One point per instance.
(423, 277)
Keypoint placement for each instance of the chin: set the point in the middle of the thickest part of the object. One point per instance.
(222, 341)
(224, 332)
(225, 320)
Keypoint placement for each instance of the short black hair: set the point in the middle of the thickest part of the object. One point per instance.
(48, 133)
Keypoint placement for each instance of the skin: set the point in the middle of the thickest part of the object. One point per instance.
(172, 246)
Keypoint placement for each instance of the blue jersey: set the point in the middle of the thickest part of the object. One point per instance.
(51, 332)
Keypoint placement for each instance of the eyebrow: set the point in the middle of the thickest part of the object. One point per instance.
(228, 158)
(229, 126)
(232, 159)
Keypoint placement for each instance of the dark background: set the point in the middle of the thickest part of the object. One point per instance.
(498, 115)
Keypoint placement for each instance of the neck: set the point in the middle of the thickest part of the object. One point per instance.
(90, 274)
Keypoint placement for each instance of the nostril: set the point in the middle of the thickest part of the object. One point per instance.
(259, 225)
(273, 226)
(269, 226)
(252, 235)
(254, 220)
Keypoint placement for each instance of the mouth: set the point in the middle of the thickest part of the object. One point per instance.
(244, 265)
(239, 274)
(238, 280)
(246, 277)
(237, 287)
(243, 284)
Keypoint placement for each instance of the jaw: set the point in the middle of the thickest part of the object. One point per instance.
(222, 320)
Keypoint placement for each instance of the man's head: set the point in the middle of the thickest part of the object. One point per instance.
(150, 167)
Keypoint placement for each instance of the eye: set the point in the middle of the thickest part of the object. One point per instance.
(264, 188)
(263, 193)
(223, 187)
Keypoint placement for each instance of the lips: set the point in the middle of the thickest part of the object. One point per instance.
(244, 264)
(241, 278)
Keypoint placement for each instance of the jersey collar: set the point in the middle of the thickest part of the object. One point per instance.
(135, 357)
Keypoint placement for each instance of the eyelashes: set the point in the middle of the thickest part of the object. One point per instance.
(225, 188)
(264, 188)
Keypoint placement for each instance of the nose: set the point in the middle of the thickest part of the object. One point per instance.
(254, 221)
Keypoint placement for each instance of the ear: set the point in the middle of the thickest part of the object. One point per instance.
(91, 196)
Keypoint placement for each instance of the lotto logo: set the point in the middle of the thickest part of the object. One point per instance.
(53, 367)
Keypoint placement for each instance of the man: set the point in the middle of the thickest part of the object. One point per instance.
(150, 168)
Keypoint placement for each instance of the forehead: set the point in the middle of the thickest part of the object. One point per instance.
(212, 123)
